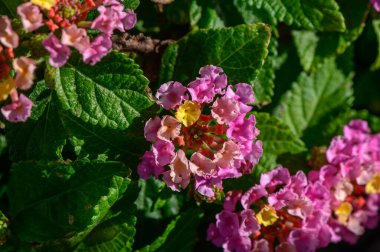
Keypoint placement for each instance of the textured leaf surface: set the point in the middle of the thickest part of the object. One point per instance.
(315, 96)
(52, 200)
(42, 136)
(322, 15)
(240, 51)
(180, 235)
(306, 44)
(3, 143)
(276, 136)
(263, 86)
(115, 234)
(110, 94)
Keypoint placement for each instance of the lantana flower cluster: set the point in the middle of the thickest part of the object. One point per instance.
(283, 212)
(352, 176)
(376, 5)
(61, 26)
(303, 213)
(206, 136)
(66, 20)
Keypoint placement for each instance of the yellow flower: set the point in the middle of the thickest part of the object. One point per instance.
(188, 113)
(45, 4)
(267, 216)
(373, 186)
(343, 212)
(6, 87)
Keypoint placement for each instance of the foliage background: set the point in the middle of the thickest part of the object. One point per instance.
(68, 176)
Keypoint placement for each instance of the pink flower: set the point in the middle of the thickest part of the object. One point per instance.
(31, 16)
(170, 128)
(285, 247)
(163, 152)
(179, 169)
(244, 93)
(252, 195)
(301, 207)
(24, 68)
(75, 37)
(109, 19)
(243, 130)
(276, 177)
(148, 167)
(206, 185)
(19, 110)
(151, 128)
(130, 20)
(357, 130)
(170, 95)
(227, 223)
(8, 37)
(99, 48)
(59, 53)
(201, 90)
(201, 165)
(227, 156)
(260, 246)
(225, 110)
(216, 76)
(249, 224)
(214, 235)
(232, 197)
(303, 240)
(376, 5)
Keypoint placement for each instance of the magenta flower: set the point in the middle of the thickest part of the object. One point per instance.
(202, 90)
(163, 152)
(216, 76)
(99, 48)
(19, 110)
(130, 20)
(31, 16)
(151, 129)
(170, 95)
(59, 53)
(243, 130)
(148, 167)
(376, 5)
(276, 177)
(108, 20)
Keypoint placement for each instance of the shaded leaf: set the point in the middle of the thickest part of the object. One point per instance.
(52, 201)
(180, 234)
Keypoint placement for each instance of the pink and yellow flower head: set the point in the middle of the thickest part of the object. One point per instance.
(282, 212)
(207, 133)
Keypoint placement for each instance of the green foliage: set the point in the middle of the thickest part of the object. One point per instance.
(322, 15)
(180, 234)
(315, 96)
(376, 27)
(9, 7)
(240, 51)
(52, 201)
(109, 94)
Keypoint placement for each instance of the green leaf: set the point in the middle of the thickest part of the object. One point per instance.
(42, 136)
(315, 96)
(276, 136)
(52, 201)
(115, 234)
(131, 4)
(322, 15)
(376, 26)
(204, 15)
(3, 144)
(180, 234)
(110, 94)
(264, 84)
(306, 44)
(9, 8)
(240, 51)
